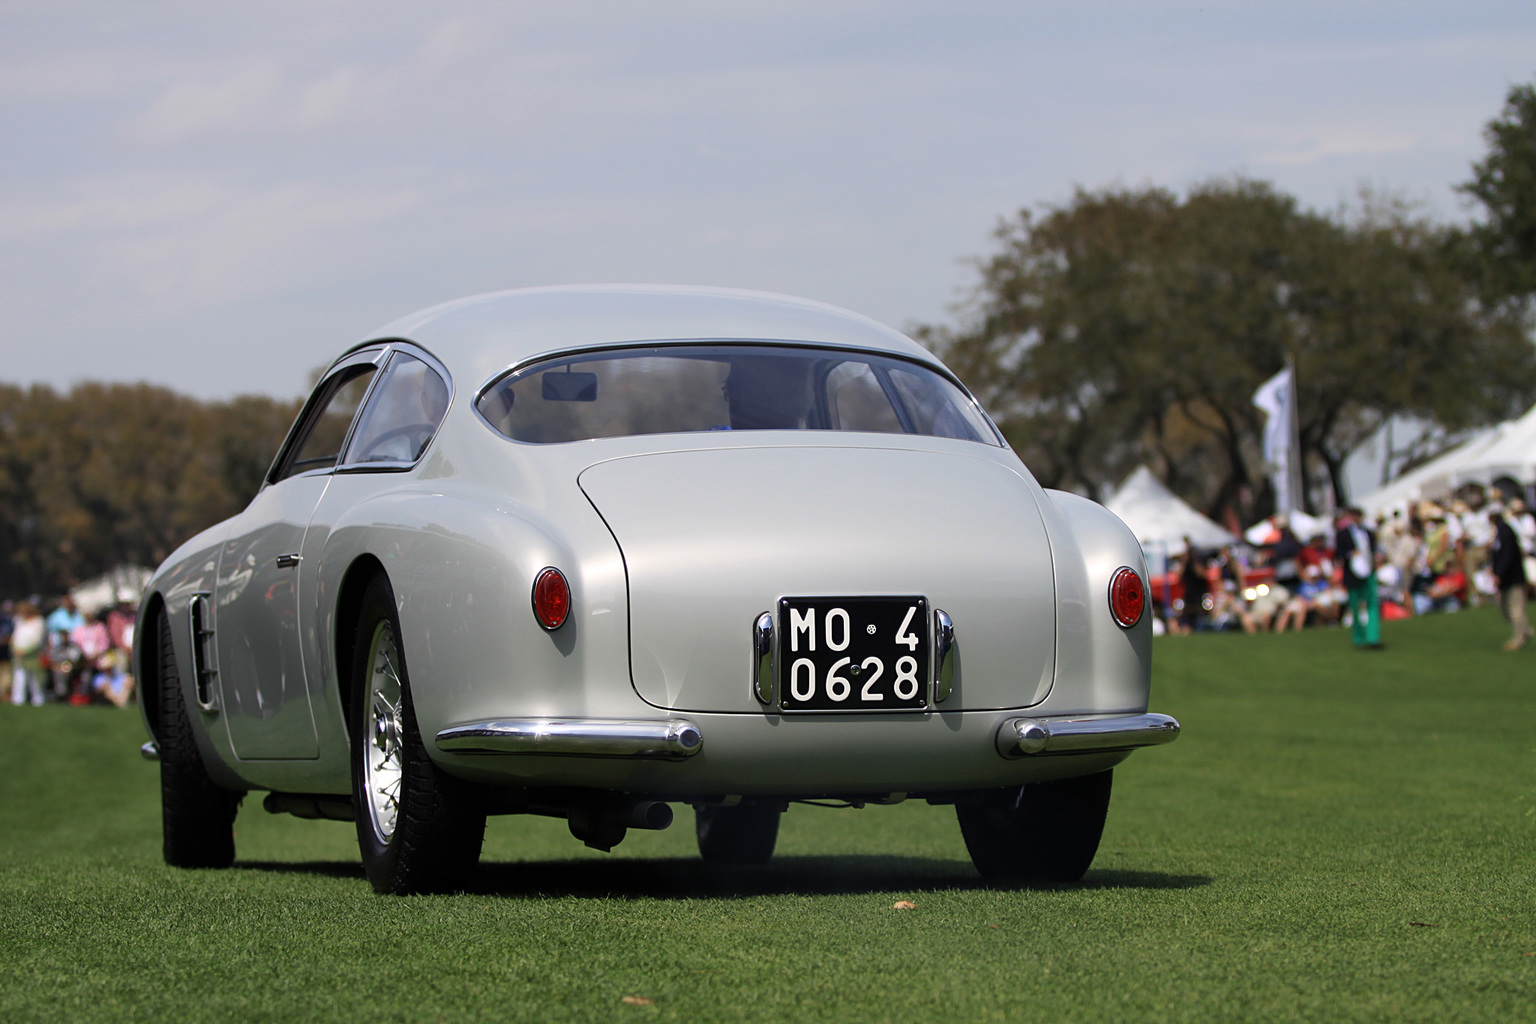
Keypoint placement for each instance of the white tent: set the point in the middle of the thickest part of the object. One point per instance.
(1159, 518)
(1508, 449)
(1433, 480)
(1512, 454)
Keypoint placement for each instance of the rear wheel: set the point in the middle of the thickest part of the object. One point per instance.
(198, 816)
(744, 834)
(419, 829)
(1042, 832)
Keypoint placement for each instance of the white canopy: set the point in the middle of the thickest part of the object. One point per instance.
(1508, 449)
(1430, 480)
(1158, 517)
(1512, 454)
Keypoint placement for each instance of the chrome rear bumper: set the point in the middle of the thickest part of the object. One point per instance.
(677, 738)
(667, 739)
(1019, 737)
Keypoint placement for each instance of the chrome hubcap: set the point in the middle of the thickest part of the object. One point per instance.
(383, 765)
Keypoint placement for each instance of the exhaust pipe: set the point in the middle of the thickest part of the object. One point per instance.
(597, 818)
(602, 823)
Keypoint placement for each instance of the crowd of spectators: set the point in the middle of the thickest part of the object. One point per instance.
(1426, 559)
(66, 656)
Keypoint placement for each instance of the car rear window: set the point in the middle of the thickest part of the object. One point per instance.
(686, 388)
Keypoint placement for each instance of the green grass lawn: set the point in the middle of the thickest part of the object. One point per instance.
(1338, 835)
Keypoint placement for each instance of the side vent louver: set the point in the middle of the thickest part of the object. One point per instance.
(204, 664)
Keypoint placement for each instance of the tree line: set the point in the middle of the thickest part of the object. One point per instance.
(1133, 326)
(120, 474)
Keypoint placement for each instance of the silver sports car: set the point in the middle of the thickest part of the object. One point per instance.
(592, 552)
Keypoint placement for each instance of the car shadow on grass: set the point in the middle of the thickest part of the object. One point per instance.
(324, 868)
(690, 878)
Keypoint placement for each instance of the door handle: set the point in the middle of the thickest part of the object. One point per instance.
(288, 561)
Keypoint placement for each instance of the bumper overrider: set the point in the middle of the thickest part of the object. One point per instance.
(673, 739)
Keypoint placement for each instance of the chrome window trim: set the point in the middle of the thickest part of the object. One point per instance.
(415, 352)
(998, 441)
(299, 430)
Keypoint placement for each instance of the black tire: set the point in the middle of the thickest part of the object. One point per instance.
(432, 843)
(744, 834)
(1042, 832)
(198, 816)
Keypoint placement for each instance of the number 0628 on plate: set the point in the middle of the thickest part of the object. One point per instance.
(853, 654)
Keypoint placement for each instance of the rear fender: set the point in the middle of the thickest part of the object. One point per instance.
(462, 571)
(1100, 665)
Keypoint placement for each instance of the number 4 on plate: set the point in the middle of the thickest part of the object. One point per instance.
(903, 633)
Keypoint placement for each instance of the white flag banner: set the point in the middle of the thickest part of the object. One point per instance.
(1277, 398)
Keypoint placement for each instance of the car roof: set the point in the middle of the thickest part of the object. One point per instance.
(481, 336)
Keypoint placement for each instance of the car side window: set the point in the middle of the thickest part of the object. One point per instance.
(933, 412)
(324, 427)
(402, 415)
(855, 400)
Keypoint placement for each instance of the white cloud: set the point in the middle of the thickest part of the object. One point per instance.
(330, 99)
(253, 242)
(188, 108)
(1348, 143)
(453, 42)
(104, 208)
(197, 242)
(78, 74)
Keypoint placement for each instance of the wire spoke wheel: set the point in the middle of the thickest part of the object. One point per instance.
(384, 765)
(419, 829)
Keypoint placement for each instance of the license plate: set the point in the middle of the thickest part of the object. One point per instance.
(853, 653)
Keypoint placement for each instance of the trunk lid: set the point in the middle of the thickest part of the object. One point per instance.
(713, 538)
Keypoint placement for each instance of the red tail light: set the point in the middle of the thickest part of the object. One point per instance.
(1127, 597)
(551, 598)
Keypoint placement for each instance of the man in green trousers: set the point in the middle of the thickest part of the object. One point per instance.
(1355, 547)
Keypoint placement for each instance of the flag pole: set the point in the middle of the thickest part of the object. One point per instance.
(1298, 478)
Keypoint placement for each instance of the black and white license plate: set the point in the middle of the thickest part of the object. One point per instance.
(853, 653)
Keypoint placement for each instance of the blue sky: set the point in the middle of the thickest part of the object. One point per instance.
(220, 196)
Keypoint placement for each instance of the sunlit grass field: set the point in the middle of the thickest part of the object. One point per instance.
(1338, 835)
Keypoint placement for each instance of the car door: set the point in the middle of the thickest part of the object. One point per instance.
(406, 405)
(261, 667)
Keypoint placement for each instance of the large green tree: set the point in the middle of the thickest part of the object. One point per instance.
(1389, 323)
(112, 474)
(1131, 326)
(1504, 184)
